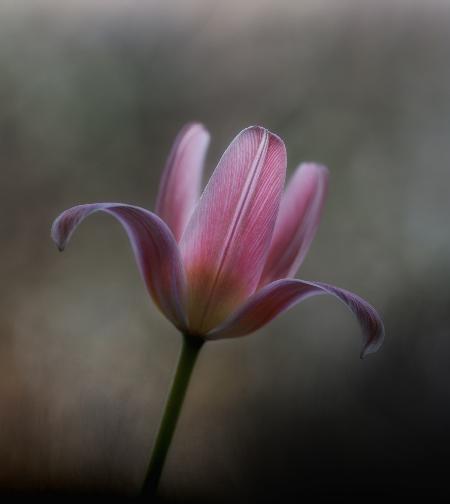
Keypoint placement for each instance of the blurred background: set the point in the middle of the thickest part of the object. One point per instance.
(92, 93)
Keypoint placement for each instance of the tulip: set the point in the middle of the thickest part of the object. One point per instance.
(222, 265)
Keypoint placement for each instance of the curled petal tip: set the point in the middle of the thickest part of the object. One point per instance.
(56, 237)
(58, 240)
(154, 247)
(373, 346)
(276, 297)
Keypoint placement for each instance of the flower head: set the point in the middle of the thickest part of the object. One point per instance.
(223, 265)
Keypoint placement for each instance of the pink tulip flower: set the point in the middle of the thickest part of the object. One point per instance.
(223, 264)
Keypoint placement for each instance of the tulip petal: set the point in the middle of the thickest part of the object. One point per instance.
(297, 222)
(180, 185)
(154, 247)
(277, 297)
(226, 241)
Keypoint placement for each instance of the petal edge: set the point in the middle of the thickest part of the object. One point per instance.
(154, 247)
(180, 184)
(227, 238)
(279, 296)
(297, 222)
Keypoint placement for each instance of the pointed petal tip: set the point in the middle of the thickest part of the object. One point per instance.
(373, 346)
(313, 165)
(315, 169)
(297, 222)
(278, 296)
(180, 184)
(194, 124)
(62, 229)
(55, 235)
(196, 127)
(154, 247)
(258, 127)
(274, 140)
(199, 125)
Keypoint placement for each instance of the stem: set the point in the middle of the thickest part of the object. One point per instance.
(189, 353)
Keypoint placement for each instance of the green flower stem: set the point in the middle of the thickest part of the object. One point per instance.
(188, 357)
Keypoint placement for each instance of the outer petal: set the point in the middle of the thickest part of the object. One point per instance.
(154, 247)
(226, 241)
(280, 295)
(179, 189)
(297, 222)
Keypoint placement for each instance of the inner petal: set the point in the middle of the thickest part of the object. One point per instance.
(226, 241)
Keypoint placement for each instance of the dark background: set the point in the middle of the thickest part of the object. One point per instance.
(91, 97)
